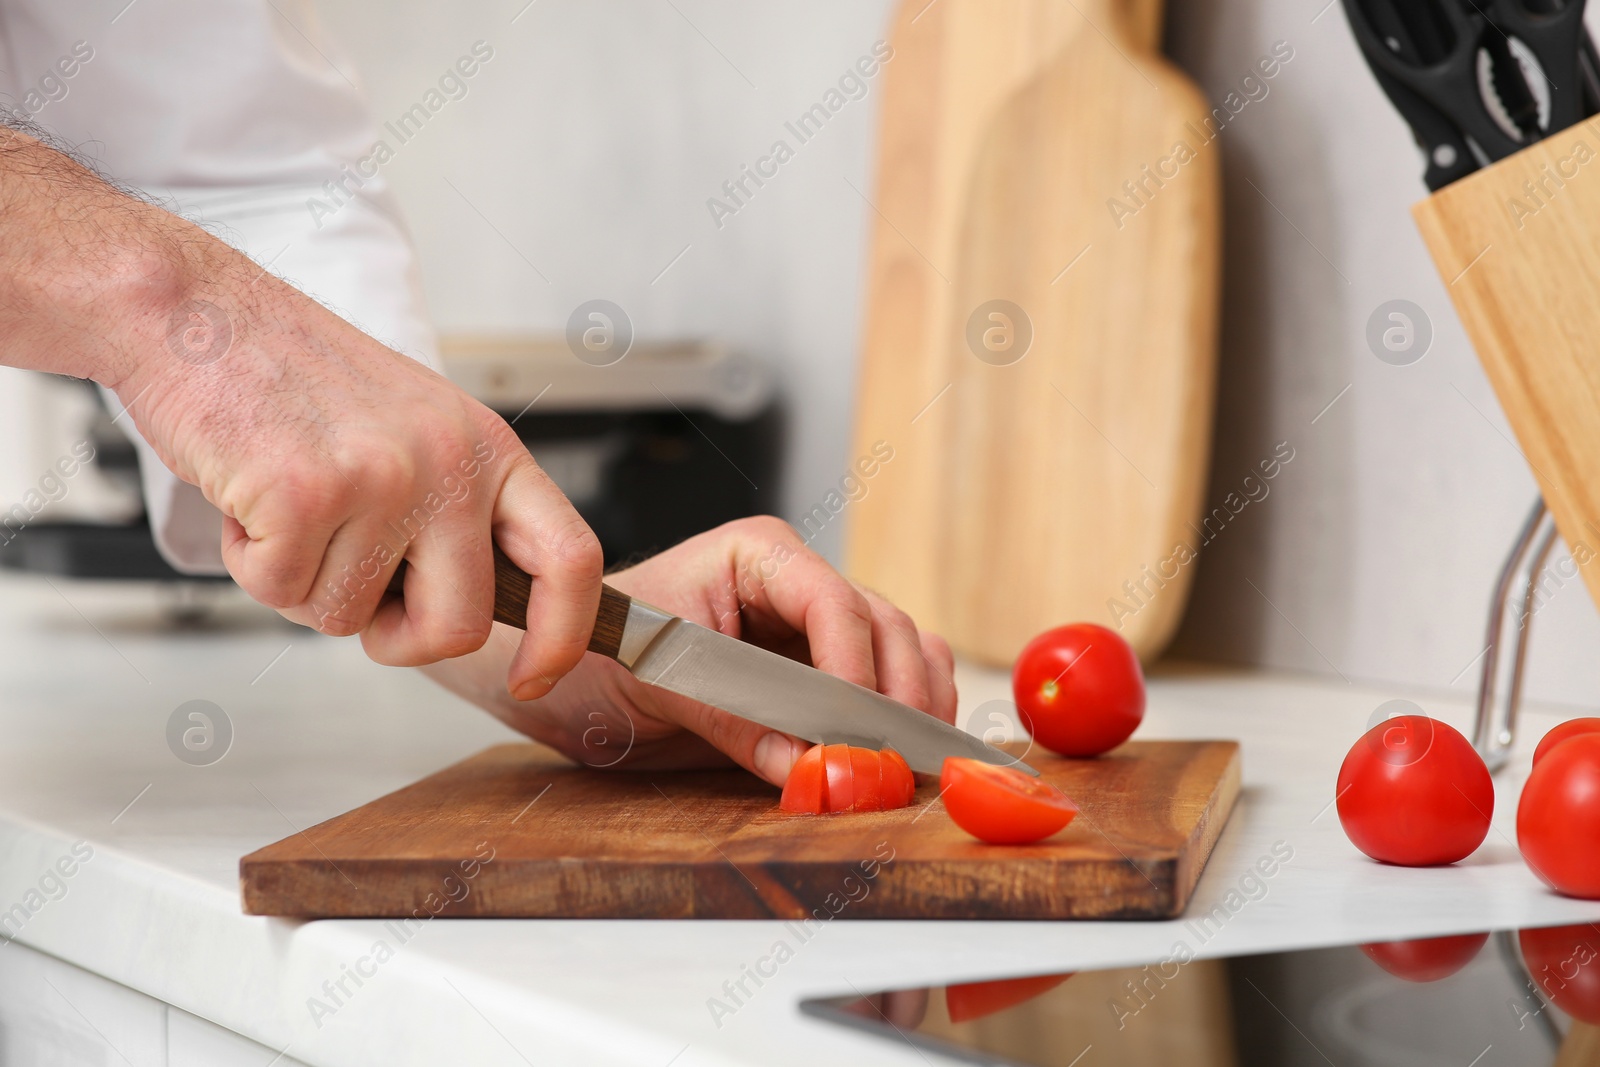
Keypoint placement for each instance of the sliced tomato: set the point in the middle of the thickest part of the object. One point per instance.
(803, 792)
(899, 787)
(835, 778)
(1002, 805)
(840, 794)
(866, 778)
(1559, 733)
(974, 1000)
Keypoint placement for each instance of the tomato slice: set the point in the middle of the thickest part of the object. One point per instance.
(899, 787)
(974, 1000)
(803, 792)
(866, 778)
(834, 778)
(1002, 805)
(839, 793)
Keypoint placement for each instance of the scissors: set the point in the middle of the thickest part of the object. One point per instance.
(1479, 79)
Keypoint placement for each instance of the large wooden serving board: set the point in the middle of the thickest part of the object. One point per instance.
(515, 831)
(1027, 485)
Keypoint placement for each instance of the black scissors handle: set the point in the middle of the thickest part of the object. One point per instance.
(1449, 157)
(1425, 54)
(1431, 48)
(1557, 39)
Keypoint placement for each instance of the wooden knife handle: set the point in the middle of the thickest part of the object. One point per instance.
(513, 586)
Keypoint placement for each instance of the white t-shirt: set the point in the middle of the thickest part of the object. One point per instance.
(234, 113)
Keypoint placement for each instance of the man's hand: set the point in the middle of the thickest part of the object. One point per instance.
(331, 456)
(753, 579)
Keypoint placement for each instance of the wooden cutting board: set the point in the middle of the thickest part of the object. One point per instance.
(1022, 495)
(515, 831)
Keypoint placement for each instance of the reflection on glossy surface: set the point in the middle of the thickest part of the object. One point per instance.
(1564, 961)
(1439, 1000)
(1132, 1016)
(973, 1000)
(1427, 959)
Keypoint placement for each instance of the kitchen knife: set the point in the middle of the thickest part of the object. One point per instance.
(660, 649)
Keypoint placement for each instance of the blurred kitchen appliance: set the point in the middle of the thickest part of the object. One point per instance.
(1041, 358)
(70, 488)
(670, 440)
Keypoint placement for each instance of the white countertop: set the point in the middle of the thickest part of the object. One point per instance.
(89, 677)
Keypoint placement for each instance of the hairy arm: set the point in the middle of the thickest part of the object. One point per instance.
(330, 456)
(86, 269)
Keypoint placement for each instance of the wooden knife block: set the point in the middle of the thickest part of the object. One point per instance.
(1518, 246)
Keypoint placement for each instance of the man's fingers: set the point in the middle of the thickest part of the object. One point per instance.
(447, 608)
(902, 668)
(764, 752)
(544, 535)
(941, 677)
(775, 756)
(838, 629)
(817, 601)
(278, 568)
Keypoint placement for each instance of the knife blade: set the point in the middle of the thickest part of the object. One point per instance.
(662, 650)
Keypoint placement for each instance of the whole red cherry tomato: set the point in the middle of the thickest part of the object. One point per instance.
(1426, 959)
(1558, 818)
(1079, 689)
(833, 778)
(973, 1000)
(1002, 805)
(1412, 791)
(1558, 734)
(1564, 962)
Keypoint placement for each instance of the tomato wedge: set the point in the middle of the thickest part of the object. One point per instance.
(835, 778)
(974, 1000)
(807, 784)
(840, 785)
(866, 778)
(1002, 805)
(898, 784)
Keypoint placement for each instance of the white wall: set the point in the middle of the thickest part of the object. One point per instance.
(592, 141)
(593, 138)
(1381, 549)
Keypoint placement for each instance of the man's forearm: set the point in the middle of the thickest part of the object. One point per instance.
(317, 443)
(89, 275)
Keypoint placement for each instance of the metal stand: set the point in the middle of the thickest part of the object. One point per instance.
(1510, 616)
